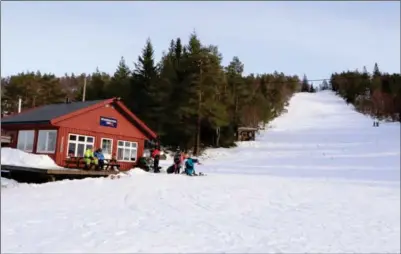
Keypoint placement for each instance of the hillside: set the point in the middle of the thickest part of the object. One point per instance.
(321, 179)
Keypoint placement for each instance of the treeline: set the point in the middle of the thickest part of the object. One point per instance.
(377, 94)
(188, 97)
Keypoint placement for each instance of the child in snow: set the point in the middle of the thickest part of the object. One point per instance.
(189, 165)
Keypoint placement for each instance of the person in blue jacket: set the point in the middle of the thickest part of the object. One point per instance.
(189, 165)
(100, 157)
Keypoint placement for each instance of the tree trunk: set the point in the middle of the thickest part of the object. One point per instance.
(198, 124)
(217, 136)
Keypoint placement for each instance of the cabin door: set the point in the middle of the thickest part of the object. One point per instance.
(107, 147)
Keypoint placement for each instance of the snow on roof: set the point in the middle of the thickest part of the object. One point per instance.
(15, 157)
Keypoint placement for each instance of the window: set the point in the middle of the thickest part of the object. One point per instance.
(127, 151)
(25, 140)
(46, 141)
(77, 144)
(107, 147)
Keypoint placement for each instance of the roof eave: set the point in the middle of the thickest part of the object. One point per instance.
(26, 122)
(145, 129)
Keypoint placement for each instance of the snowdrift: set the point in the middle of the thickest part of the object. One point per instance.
(7, 183)
(15, 157)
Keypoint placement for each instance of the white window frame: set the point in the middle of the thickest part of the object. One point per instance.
(101, 145)
(46, 142)
(25, 140)
(79, 142)
(131, 148)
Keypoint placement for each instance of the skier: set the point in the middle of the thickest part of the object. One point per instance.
(189, 165)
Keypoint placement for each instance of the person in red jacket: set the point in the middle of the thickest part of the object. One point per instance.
(156, 158)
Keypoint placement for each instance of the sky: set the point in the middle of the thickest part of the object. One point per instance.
(312, 38)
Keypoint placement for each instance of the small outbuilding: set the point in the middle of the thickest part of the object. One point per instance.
(246, 133)
(68, 129)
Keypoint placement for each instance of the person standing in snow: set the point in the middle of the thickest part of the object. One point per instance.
(189, 165)
(156, 158)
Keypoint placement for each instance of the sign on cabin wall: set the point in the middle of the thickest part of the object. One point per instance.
(108, 122)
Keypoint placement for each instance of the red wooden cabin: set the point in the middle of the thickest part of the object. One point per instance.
(64, 129)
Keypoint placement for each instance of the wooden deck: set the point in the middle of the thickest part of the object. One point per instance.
(51, 174)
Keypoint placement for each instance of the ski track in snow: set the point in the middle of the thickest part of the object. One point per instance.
(321, 180)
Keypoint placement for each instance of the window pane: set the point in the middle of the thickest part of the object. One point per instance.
(81, 148)
(42, 139)
(133, 144)
(120, 153)
(81, 138)
(29, 141)
(89, 139)
(133, 154)
(120, 143)
(25, 140)
(71, 149)
(51, 141)
(73, 137)
(106, 146)
(21, 140)
(127, 154)
(127, 144)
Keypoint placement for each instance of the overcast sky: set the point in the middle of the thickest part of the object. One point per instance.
(316, 38)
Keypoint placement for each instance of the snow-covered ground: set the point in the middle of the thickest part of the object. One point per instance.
(8, 183)
(321, 180)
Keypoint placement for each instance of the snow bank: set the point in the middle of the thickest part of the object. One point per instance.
(7, 183)
(134, 171)
(15, 157)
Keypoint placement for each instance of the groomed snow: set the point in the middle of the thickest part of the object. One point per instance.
(316, 182)
(15, 157)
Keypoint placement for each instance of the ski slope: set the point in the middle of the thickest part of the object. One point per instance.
(322, 179)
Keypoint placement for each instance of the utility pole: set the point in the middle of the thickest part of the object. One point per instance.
(84, 90)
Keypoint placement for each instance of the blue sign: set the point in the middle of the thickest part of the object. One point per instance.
(108, 122)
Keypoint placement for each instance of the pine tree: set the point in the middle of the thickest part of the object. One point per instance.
(305, 84)
(312, 89)
(376, 71)
(146, 94)
(119, 85)
(325, 85)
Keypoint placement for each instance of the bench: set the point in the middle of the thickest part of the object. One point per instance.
(76, 162)
(109, 165)
(79, 162)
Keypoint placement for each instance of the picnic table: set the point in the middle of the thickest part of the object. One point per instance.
(79, 162)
